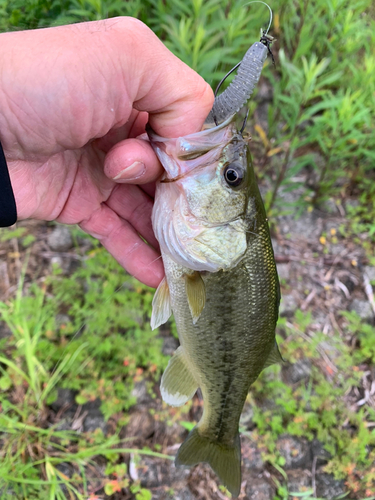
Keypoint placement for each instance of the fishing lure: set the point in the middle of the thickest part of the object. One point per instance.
(244, 83)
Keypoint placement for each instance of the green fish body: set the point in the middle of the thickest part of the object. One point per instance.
(221, 285)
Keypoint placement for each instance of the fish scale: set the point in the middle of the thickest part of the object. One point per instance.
(243, 320)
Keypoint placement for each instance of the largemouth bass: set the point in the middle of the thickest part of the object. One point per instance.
(220, 283)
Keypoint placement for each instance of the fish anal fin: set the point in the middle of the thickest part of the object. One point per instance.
(196, 294)
(161, 305)
(225, 461)
(177, 383)
(274, 357)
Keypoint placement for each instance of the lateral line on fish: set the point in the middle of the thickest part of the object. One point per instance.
(224, 407)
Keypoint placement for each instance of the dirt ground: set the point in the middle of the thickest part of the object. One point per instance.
(323, 275)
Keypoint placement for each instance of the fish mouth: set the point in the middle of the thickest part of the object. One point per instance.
(190, 234)
(180, 156)
(201, 166)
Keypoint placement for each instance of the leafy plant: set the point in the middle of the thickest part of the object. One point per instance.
(43, 354)
(317, 407)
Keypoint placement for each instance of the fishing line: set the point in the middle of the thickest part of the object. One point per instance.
(271, 14)
(257, 235)
(250, 232)
(157, 258)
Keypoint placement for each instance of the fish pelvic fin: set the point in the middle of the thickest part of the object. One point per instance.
(225, 461)
(178, 384)
(161, 305)
(196, 294)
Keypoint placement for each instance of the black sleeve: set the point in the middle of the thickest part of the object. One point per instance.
(8, 209)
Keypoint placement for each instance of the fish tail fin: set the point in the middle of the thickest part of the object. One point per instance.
(224, 460)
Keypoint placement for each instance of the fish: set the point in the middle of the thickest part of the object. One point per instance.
(221, 282)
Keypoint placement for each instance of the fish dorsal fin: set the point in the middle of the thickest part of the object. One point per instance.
(161, 305)
(196, 294)
(274, 357)
(178, 384)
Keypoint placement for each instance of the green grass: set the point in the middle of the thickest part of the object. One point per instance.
(101, 358)
(320, 125)
(319, 408)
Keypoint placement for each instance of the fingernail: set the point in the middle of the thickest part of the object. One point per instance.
(134, 171)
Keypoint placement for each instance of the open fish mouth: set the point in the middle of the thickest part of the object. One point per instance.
(198, 218)
(179, 156)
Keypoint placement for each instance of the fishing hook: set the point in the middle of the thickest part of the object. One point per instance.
(245, 121)
(265, 38)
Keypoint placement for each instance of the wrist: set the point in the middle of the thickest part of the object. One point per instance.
(8, 209)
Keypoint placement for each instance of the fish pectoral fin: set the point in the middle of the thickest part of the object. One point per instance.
(274, 357)
(161, 305)
(224, 460)
(196, 294)
(177, 383)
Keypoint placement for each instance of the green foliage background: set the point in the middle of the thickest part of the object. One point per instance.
(321, 118)
(323, 100)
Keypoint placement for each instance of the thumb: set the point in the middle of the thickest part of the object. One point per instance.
(177, 99)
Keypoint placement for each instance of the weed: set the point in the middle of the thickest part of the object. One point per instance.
(319, 406)
(101, 358)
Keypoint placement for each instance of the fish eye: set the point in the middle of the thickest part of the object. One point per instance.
(234, 175)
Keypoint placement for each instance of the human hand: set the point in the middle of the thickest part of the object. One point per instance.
(74, 101)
